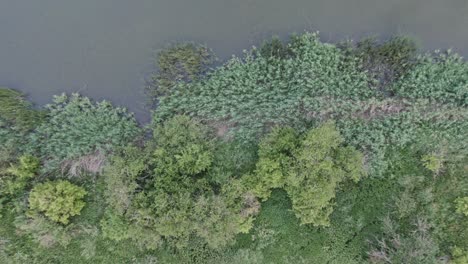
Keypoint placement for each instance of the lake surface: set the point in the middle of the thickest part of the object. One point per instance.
(103, 48)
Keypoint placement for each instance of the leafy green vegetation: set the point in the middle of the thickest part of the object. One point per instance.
(17, 119)
(18, 176)
(181, 62)
(309, 170)
(57, 200)
(75, 127)
(297, 152)
(255, 92)
(443, 77)
(16, 111)
(164, 197)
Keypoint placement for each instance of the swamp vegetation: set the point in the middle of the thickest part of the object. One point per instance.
(296, 152)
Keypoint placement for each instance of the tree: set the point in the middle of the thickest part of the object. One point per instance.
(309, 169)
(163, 192)
(58, 200)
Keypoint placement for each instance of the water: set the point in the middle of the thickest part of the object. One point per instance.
(103, 48)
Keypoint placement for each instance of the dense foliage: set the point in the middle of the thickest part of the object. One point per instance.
(17, 119)
(17, 176)
(163, 194)
(181, 62)
(297, 152)
(258, 91)
(75, 126)
(58, 200)
(309, 169)
(443, 77)
(16, 111)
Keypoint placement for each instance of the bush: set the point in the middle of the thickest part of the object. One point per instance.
(433, 163)
(184, 147)
(386, 61)
(252, 93)
(459, 255)
(275, 48)
(45, 232)
(182, 62)
(462, 205)
(17, 120)
(76, 126)
(309, 169)
(418, 248)
(58, 200)
(18, 176)
(306, 82)
(114, 227)
(443, 78)
(18, 112)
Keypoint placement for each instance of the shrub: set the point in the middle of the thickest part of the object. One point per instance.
(18, 176)
(76, 126)
(9, 143)
(386, 61)
(17, 120)
(182, 62)
(433, 163)
(462, 205)
(309, 169)
(114, 227)
(459, 255)
(252, 93)
(443, 78)
(275, 48)
(58, 200)
(45, 232)
(307, 81)
(417, 248)
(184, 147)
(18, 112)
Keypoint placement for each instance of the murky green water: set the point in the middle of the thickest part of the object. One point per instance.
(102, 48)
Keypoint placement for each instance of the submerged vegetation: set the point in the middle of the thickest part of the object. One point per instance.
(296, 152)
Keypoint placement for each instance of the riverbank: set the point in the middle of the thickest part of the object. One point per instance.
(104, 49)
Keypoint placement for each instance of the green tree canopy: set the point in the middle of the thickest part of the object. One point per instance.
(309, 168)
(164, 191)
(58, 200)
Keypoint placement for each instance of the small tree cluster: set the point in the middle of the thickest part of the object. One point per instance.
(58, 200)
(164, 191)
(309, 168)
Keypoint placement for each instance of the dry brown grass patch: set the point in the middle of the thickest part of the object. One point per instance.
(93, 163)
